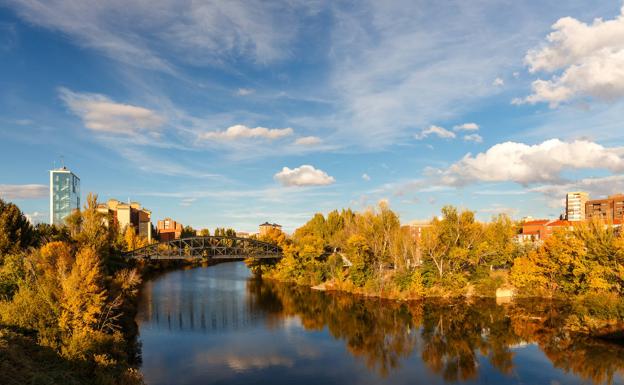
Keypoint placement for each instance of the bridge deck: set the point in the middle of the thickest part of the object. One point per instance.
(211, 247)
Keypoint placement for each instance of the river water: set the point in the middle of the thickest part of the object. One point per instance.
(218, 325)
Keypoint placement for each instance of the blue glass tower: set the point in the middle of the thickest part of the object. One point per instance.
(64, 195)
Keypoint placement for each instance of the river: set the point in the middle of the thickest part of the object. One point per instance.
(219, 325)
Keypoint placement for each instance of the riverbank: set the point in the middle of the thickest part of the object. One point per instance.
(594, 315)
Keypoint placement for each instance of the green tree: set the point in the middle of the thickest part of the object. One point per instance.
(362, 260)
(52, 233)
(16, 233)
(188, 232)
(91, 228)
(450, 243)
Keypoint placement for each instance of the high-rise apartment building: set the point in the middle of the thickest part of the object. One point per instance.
(64, 195)
(609, 210)
(575, 205)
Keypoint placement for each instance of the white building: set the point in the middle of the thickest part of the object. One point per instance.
(575, 205)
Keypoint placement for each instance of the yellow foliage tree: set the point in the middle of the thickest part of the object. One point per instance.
(133, 240)
(83, 296)
(55, 258)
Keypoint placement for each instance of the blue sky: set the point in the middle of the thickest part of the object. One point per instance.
(228, 113)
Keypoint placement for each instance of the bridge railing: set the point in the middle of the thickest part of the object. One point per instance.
(220, 247)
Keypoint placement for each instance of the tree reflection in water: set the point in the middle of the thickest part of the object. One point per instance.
(450, 337)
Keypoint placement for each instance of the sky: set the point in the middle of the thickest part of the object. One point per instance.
(233, 113)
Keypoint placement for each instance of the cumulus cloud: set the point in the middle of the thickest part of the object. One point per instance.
(305, 175)
(23, 191)
(101, 114)
(585, 60)
(596, 187)
(473, 138)
(308, 141)
(366, 177)
(240, 131)
(527, 164)
(466, 127)
(435, 130)
(498, 82)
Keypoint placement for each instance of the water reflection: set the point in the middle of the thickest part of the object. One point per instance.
(240, 330)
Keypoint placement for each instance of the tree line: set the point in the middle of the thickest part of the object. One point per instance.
(370, 252)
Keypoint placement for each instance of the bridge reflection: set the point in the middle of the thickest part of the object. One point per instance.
(220, 307)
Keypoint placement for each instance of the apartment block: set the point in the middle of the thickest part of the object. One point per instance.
(575, 205)
(129, 214)
(610, 209)
(168, 230)
(266, 226)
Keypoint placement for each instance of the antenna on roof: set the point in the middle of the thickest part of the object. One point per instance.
(62, 162)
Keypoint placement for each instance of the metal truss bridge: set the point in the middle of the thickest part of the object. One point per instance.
(211, 247)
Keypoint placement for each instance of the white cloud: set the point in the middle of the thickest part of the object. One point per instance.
(466, 127)
(36, 217)
(366, 177)
(473, 138)
(245, 91)
(240, 131)
(187, 202)
(305, 175)
(23, 191)
(101, 114)
(526, 164)
(390, 74)
(435, 130)
(596, 187)
(194, 32)
(308, 141)
(498, 82)
(586, 60)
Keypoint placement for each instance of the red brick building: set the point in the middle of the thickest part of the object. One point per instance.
(168, 230)
(541, 229)
(609, 210)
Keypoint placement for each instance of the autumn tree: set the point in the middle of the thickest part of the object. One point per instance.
(450, 243)
(83, 294)
(133, 240)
